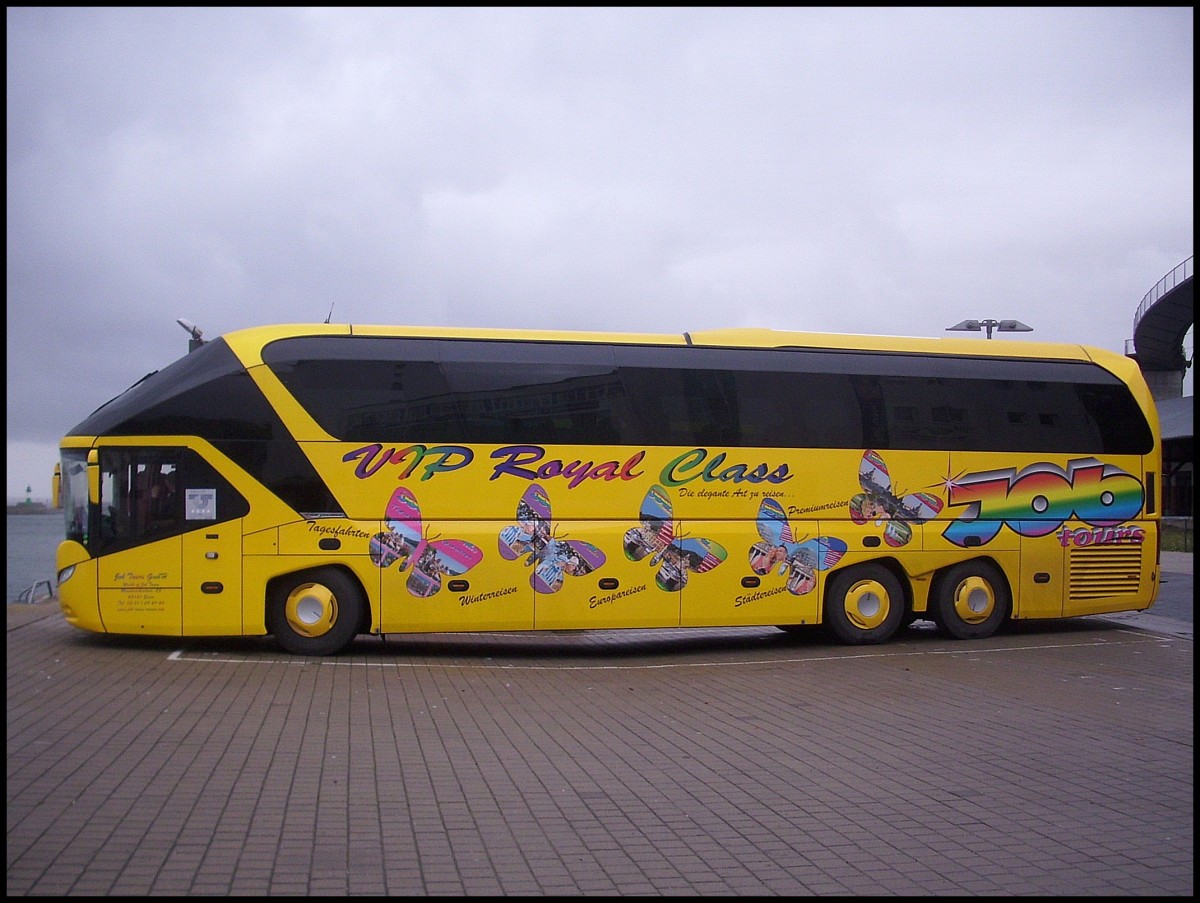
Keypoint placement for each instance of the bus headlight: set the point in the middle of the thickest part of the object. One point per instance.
(65, 574)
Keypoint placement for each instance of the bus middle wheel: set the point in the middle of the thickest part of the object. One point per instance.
(864, 604)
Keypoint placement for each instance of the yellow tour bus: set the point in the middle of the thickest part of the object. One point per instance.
(317, 482)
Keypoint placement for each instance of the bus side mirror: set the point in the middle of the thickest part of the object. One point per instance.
(93, 477)
(56, 487)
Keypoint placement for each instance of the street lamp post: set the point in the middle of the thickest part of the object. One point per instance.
(989, 325)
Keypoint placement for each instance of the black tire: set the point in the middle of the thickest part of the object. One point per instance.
(315, 612)
(864, 604)
(970, 600)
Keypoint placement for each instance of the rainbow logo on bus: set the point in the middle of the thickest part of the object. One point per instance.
(1038, 499)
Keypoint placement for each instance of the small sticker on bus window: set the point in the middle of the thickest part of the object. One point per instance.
(201, 504)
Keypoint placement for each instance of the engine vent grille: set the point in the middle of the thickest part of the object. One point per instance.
(1104, 571)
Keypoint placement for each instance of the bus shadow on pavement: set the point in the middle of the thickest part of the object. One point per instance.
(692, 643)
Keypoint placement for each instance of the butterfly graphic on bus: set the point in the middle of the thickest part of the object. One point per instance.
(798, 559)
(676, 555)
(404, 541)
(553, 558)
(879, 503)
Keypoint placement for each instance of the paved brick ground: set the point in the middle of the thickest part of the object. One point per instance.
(1051, 760)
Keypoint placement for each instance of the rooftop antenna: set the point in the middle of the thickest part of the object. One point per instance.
(197, 337)
(330, 314)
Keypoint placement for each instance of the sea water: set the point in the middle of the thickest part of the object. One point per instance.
(32, 542)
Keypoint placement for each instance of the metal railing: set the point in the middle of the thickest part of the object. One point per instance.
(1179, 274)
(42, 591)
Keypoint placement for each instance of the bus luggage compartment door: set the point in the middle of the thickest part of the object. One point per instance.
(604, 581)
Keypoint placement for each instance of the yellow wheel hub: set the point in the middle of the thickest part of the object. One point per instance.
(974, 600)
(311, 610)
(867, 604)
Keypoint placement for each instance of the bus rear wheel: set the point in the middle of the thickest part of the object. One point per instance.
(315, 612)
(864, 604)
(971, 600)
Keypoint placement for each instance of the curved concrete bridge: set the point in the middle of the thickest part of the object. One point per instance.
(1159, 326)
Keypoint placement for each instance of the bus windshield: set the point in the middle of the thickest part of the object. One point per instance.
(75, 494)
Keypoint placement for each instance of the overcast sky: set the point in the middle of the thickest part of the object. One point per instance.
(827, 170)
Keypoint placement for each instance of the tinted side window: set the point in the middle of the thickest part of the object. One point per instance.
(491, 392)
(367, 389)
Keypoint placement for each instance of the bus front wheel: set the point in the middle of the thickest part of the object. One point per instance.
(315, 612)
(864, 604)
(971, 600)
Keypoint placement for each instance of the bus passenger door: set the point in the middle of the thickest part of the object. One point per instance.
(212, 580)
(138, 569)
